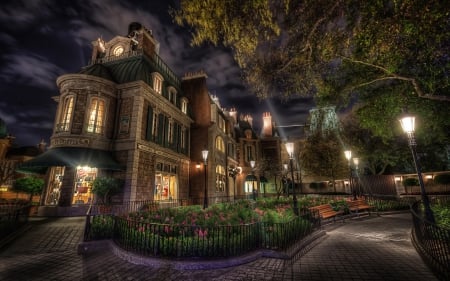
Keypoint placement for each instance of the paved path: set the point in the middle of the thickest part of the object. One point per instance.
(376, 248)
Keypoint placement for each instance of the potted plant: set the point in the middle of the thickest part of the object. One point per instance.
(105, 187)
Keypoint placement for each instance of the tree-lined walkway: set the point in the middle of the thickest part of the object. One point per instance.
(376, 248)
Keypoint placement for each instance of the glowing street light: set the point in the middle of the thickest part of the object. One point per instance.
(290, 151)
(252, 164)
(205, 159)
(348, 155)
(408, 124)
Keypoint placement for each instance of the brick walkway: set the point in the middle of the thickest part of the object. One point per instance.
(375, 248)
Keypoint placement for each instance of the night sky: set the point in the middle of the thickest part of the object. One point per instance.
(42, 40)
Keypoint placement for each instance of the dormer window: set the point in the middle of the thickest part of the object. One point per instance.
(157, 82)
(184, 104)
(172, 95)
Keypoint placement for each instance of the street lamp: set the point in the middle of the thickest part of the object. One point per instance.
(252, 164)
(205, 159)
(348, 155)
(407, 123)
(233, 172)
(290, 151)
(356, 183)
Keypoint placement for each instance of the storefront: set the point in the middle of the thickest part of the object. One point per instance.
(71, 172)
(166, 182)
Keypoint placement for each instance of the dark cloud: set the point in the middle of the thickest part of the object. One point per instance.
(43, 39)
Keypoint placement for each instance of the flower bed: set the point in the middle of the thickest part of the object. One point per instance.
(222, 230)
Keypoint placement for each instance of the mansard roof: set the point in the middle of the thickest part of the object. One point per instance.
(133, 68)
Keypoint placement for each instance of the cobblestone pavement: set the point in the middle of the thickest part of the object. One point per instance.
(375, 248)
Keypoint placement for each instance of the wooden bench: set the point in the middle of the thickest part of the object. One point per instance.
(359, 205)
(325, 211)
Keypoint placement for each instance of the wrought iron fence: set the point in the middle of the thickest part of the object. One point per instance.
(166, 240)
(432, 242)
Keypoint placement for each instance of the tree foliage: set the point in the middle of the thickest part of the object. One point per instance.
(29, 185)
(323, 156)
(106, 187)
(286, 47)
(390, 54)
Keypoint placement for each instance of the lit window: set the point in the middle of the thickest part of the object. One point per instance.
(66, 115)
(220, 178)
(220, 145)
(157, 82)
(184, 106)
(96, 115)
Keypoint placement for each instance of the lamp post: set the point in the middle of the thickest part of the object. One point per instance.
(252, 164)
(290, 151)
(285, 167)
(348, 155)
(356, 183)
(408, 123)
(233, 172)
(205, 159)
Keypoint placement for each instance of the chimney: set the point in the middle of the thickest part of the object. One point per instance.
(267, 124)
(233, 114)
(42, 146)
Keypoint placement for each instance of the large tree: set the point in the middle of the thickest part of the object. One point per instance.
(285, 46)
(335, 50)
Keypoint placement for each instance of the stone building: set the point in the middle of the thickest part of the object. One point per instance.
(127, 115)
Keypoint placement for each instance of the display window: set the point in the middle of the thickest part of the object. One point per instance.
(84, 179)
(54, 187)
(165, 187)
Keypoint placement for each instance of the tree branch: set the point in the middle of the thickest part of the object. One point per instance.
(394, 76)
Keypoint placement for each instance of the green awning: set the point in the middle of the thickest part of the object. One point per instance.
(263, 179)
(72, 157)
(251, 178)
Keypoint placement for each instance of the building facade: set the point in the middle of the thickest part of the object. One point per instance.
(127, 115)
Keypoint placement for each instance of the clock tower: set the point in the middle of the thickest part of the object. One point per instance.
(139, 40)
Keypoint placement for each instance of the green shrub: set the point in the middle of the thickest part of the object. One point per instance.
(102, 227)
(442, 179)
(411, 182)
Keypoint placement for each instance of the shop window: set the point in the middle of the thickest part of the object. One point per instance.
(84, 179)
(166, 182)
(54, 186)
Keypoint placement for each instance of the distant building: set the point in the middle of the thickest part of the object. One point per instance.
(11, 156)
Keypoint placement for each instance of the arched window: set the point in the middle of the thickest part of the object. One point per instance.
(220, 145)
(66, 115)
(96, 116)
(220, 178)
(157, 82)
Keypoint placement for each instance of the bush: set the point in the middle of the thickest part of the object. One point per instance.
(30, 185)
(411, 182)
(104, 188)
(442, 179)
